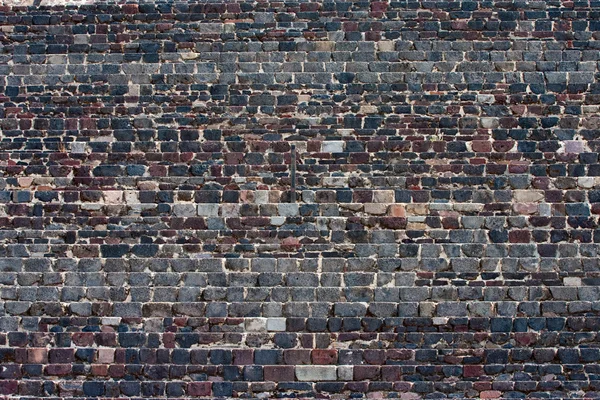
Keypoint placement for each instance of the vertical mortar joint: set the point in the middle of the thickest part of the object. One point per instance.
(293, 174)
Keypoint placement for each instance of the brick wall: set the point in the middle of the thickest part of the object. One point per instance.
(444, 238)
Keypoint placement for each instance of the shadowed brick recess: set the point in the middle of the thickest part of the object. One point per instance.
(444, 240)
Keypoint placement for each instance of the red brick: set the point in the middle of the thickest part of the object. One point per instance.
(366, 372)
(324, 356)
(58, 369)
(83, 339)
(106, 339)
(30, 388)
(503, 146)
(471, 371)
(102, 309)
(360, 387)
(307, 341)
(520, 236)
(393, 222)
(490, 394)
(86, 251)
(243, 357)
(9, 387)
(523, 208)
(234, 158)
(374, 357)
(481, 146)
(279, 373)
(199, 389)
(130, 8)
(157, 170)
(234, 8)
(363, 196)
(262, 386)
(402, 386)
(397, 210)
(439, 146)
(116, 370)
(309, 6)
(540, 182)
(359, 158)
(509, 122)
(20, 356)
(374, 146)
(391, 373)
(290, 244)
(481, 386)
(120, 356)
(399, 354)
(450, 223)
(99, 369)
(526, 338)
(61, 356)
(197, 223)
(37, 356)
(421, 146)
(296, 357)
(350, 26)
(518, 168)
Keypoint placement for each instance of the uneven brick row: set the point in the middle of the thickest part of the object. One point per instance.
(235, 304)
(190, 331)
(549, 275)
(177, 389)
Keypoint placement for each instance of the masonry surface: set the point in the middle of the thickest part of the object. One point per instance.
(444, 241)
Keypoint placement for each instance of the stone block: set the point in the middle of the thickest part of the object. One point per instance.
(316, 373)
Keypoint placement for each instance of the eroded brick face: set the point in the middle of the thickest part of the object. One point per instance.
(443, 241)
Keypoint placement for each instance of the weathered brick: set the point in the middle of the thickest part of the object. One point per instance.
(316, 373)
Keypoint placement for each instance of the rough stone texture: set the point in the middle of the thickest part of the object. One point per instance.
(444, 241)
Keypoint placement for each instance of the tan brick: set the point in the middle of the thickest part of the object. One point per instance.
(37, 356)
(106, 356)
(396, 210)
(528, 196)
(383, 196)
(375, 209)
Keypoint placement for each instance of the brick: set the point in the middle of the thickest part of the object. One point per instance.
(61, 356)
(199, 389)
(490, 394)
(472, 370)
(106, 356)
(280, 373)
(324, 356)
(297, 356)
(366, 372)
(332, 146)
(276, 324)
(37, 356)
(316, 373)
